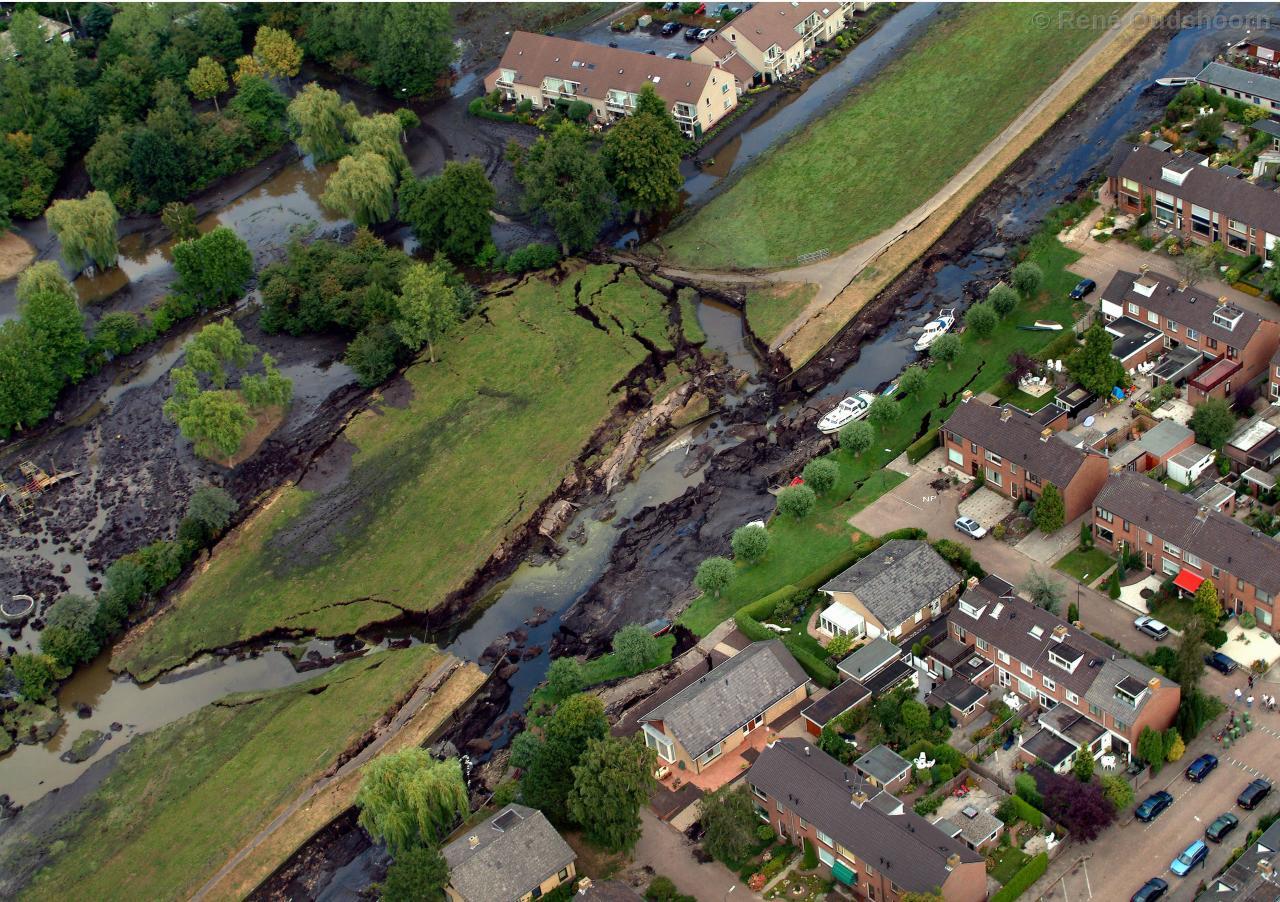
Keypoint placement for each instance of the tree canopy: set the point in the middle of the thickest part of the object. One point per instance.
(319, 120)
(362, 189)
(1093, 366)
(642, 156)
(1213, 422)
(546, 786)
(408, 798)
(213, 268)
(86, 228)
(565, 184)
(612, 781)
(450, 213)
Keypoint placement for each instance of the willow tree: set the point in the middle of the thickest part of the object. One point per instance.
(319, 121)
(363, 188)
(381, 134)
(407, 798)
(86, 228)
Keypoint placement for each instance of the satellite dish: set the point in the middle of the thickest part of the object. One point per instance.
(1088, 421)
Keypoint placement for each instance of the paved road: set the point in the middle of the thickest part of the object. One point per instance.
(668, 852)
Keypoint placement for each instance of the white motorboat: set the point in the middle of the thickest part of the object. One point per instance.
(852, 408)
(936, 328)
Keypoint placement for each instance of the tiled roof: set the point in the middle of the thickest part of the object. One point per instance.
(904, 846)
(728, 58)
(1255, 83)
(1217, 539)
(1237, 198)
(505, 857)
(1017, 441)
(1187, 307)
(766, 24)
(897, 580)
(729, 695)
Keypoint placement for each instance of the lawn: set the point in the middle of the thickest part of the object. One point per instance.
(608, 667)
(184, 798)
(1085, 566)
(440, 476)
(1009, 860)
(798, 549)
(1172, 611)
(769, 310)
(891, 145)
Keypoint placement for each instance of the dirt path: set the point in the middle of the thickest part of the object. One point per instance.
(434, 683)
(16, 254)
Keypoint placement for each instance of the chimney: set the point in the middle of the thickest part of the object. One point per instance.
(1060, 632)
(965, 396)
(584, 885)
(971, 582)
(953, 861)
(1153, 684)
(1005, 414)
(1202, 513)
(1183, 285)
(473, 840)
(1222, 301)
(859, 798)
(1265, 868)
(1045, 433)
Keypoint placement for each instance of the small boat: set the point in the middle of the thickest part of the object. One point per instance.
(852, 408)
(1043, 325)
(890, 389)
(936, 328)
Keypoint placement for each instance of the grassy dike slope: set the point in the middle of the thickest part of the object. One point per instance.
(182, 799)
(893, 143)
(442, 472)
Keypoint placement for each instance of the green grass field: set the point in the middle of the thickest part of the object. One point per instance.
(891, 145)
(607, 667)
(184, 798)
(1085, 566)
(436, 484)
(798, 549)
(769, 311)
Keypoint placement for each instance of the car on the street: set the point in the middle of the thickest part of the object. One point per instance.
(677, 56)
(970, 527)
(1153, 889)
(1222, 825)
(1222, 663)
(1253, 794)
(1200, 768)
(670, 28)
(705, 34)
(1152, 627)
(1083, 289)
(691, 34)
(1192, 855)
(1152, 805)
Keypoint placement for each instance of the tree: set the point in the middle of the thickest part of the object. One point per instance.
(35, 675)
(612, 781)
(1118, 791)
(1213, 422)
(642, 156)
(42, 277)
(714, 574)
(214, 268)
(565, 184)
(260, 107)
(1024, 786)
(635, 647)
(117, 332)
(373, 353)
(55, 322)
(1027, 279)
(427, 308)
(913, 380)
(884, 411)
(418, 874)
(1174, 747)
(1002, 298)
(839, 646)
(407, 798)
(1150, 748)
(1050, 512)
(207, 80)
(70, 635)
(1194, 265)
(729, 822)
(216, 422)
(180, 220)
(1191, 650)
(267, 389)
(564, 678)
(981, 319)
(1206, 604)
(362, 189)
(821, 474)
(215, 347)
(319, 120)
(1083, 766)
(915, 719)
(549, 780)
(1080, 807)
(86, 228)
(1086, 536)
(946, 349)
(247, 67)
(451, 212)
(380, 133)
(856, 437)
(212, 508)
(1021, 364)
(525, 748)
(750, 543)
(1044, 592)
(414, 47)
(277, 53)
(1093, 366)
(796, 501)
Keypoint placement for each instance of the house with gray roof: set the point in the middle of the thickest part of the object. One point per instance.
(513, 856)
(893, 589)
(1254, 876)
(884, 768)
(1251, 87)
(715, 714)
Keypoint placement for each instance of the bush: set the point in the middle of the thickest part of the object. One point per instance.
(1025, 787)
(810, 860)
(578, 111)
(532, 257)
(982, 319)
(1032, 871)
(764, 833)
(1002, 298)
(959, 556)
(796, 501)
(713, 575)
(821, 475)
(750, 543)
(1027, 279)
(1118, 790)
(856, 437)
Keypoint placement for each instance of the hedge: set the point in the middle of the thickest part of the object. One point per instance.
(762, 608)
(1028, 812)
(917, 450)
(959, 556)
(1059, 346)
(1032, 871)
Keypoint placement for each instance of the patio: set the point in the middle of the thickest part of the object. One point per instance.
(731, 765)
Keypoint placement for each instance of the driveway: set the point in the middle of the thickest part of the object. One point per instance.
(669, 853)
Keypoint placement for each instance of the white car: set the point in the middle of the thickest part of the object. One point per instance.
(705, 34)
(970, 527)
(1151, 626)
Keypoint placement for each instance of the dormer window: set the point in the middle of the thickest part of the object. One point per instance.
(1066, 657)
(1129, 691)
(972, 610)
(1173, 176)
(1227, 316)
(1145, 286)
(1036, 632)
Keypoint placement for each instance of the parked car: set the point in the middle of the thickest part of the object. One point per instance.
(1200, 768)
(691, 34)
(1150, 891)
(970, 527)
(1253, 794)
(1152, 627)
(1083, 288)
(670, 7)
(1152, 805)
(1191, 856)
(1221, 827)
(613, 44)
(1222, 663)
(677, 56)
(652, 52)
(705, 34)
(670, 28)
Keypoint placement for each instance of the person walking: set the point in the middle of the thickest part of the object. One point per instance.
(1238, 695)
(1248, 702)
(1250, 681)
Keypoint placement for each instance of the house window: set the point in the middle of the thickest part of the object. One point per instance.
(724, 89)
(1237, 226)
(1216, 572)
(1048, 683)
(1130, 185)
(1133, 308)
(955, 456)
(1173, 327)
(659, 743)
(982, 644)
(1213, 344)
(759, 792)
(1153, 317)
(1094, 711)
(1122, 727)
(1264, 597)
(823, 838)
(1192, 334)
(1072, 697)
(1263, 615)
(1105, 515)
(1172, 550)
(1026, 671)
(994, 477)
(1003, 656)
(995, 458)
(563, 875)
(710, 754)
(1192, 560)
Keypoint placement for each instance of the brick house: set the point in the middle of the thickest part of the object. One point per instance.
(1241, 84)
(1050, 663)
(1259, 49)
(1018, 458)
(543, 69)
(775, 39)
(1199, 204)
(875, 846)
(1255, 444)
(1273, 379)
(1230, 347)
(714, 715)
(890, 591)
(514, 856)
(1179, 537)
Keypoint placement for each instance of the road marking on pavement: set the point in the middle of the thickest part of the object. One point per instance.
(1244, 767)
(1087, 886)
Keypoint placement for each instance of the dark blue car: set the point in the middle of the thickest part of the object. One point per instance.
(1221, 663)
(1201, 768)
(1151, 890)
(1153, 805)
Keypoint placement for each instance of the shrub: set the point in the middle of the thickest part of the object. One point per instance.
(532, 257)
(713, 575)
(1025, 787)
(810, 860)
(982, 319)
(855, 438)
(959, 556)
(764, 833)
(821, 475)
(1020, 882)
(796, 501)
(750, 543)
(1118, 790)
(1002, 298)
(1027, 278)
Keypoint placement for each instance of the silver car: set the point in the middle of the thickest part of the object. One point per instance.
(1152, 627)
(971, 527)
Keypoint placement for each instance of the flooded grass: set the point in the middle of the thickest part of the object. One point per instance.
(184, 798)
(435, 487)
(770, 310)
(900, 139)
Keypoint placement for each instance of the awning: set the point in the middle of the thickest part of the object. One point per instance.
(843, 873)
(1188, 581)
